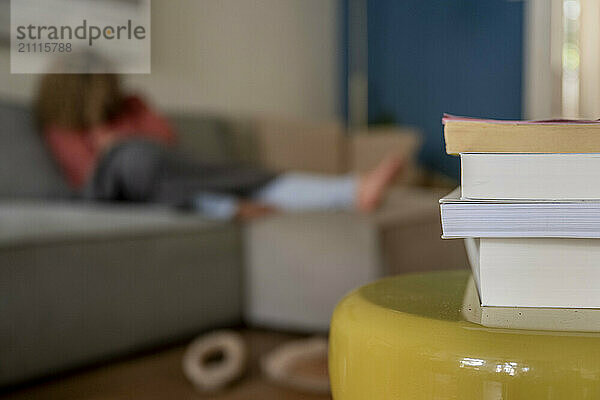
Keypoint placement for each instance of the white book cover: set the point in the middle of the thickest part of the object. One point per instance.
(548, 272)
(463, 218)
(530, 176)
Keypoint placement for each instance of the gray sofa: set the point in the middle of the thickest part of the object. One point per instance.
(80, 283)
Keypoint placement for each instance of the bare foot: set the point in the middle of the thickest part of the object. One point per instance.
(248, 210)
(372, 186)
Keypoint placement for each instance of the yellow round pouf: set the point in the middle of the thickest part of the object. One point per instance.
(404, 338)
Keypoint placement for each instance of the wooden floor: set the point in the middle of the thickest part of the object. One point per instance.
(159, 376)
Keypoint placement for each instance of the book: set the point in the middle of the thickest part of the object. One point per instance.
(539, 272)
(463, 218)
(530, 176)
(463, 135)
(537, 318)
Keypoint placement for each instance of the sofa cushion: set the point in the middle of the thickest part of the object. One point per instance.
(82, 284)
(26, 222)
(26, 168)
(205, 137)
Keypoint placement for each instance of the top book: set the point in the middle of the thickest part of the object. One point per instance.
(465, 134)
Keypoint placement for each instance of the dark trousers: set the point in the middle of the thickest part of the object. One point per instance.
(142, 171)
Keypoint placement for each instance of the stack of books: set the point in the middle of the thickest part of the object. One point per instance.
(529, 207)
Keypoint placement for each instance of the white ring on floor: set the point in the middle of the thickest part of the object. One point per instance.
(212, 376)
(278, 365)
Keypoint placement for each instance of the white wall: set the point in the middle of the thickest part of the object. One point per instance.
(276, 57)
(589, 84)
(543, 60)
(539, 80)
(14, 87)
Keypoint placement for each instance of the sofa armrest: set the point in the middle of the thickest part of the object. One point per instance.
(367, 148)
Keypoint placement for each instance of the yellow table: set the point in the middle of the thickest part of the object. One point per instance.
(404, 338)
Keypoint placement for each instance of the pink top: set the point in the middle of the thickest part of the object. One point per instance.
(77, 152)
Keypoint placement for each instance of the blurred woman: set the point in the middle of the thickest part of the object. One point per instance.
(113, 147)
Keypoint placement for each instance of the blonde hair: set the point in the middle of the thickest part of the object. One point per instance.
(78, 101)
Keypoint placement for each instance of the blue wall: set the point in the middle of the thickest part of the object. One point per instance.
(427, 57)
